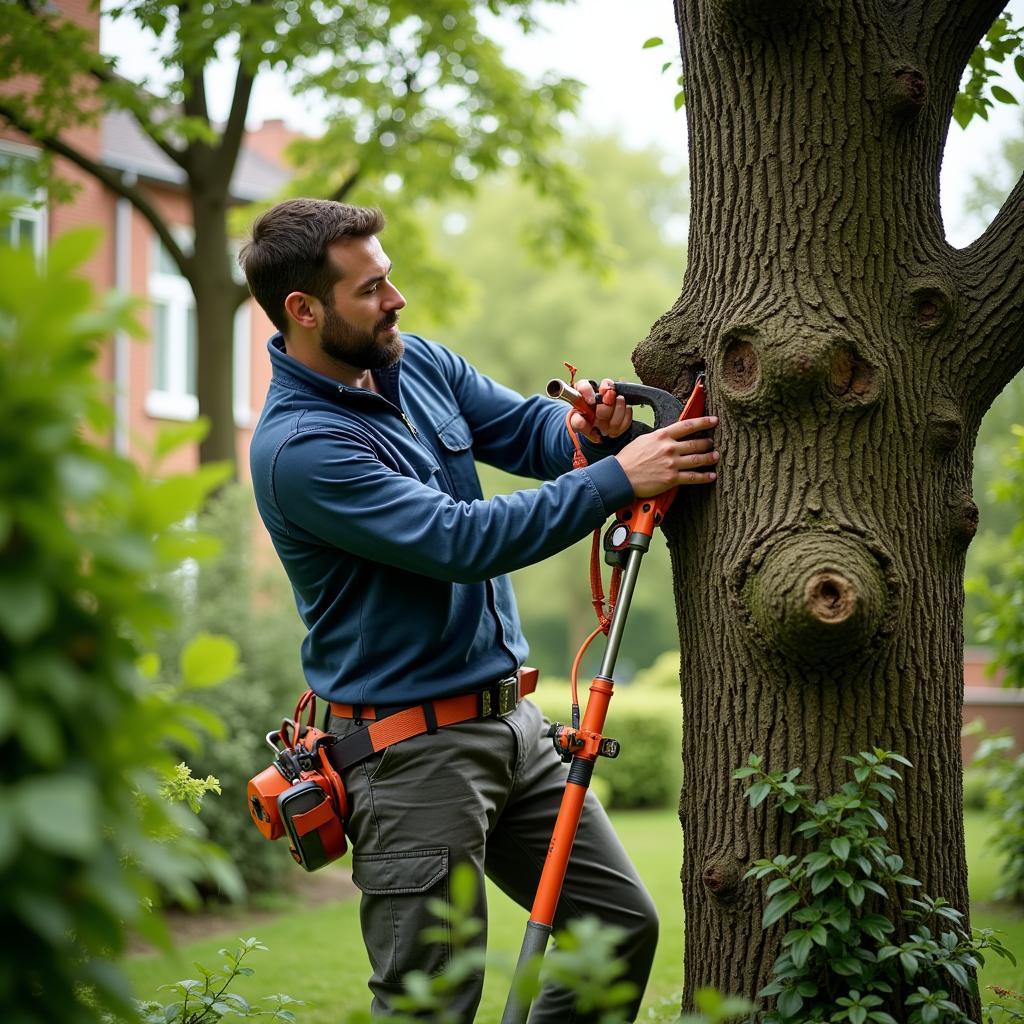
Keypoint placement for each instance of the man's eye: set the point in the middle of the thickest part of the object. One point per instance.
(370, 291)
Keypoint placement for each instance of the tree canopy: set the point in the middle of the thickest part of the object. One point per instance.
(417, 101)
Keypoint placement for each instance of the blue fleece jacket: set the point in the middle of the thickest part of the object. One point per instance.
(374, 506)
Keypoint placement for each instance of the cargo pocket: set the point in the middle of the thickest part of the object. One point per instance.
(457, 441)
(397, 887)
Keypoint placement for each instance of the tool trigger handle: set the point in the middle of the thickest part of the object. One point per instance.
(666, 407)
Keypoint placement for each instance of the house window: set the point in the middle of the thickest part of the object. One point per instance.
(172, 392)
(27, 224)
(173, 381)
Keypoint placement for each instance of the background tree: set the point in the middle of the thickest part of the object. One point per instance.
(526, 312)
(417, 102)
(851, 354)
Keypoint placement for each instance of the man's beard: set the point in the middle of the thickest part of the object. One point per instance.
(361, 349)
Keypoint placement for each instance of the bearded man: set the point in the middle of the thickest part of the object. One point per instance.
(363, 464)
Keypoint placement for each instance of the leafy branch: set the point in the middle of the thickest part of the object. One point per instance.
(840, 958)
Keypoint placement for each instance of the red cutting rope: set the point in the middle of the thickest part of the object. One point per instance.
(604, 616)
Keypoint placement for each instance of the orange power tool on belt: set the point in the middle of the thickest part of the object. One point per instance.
(626, 541)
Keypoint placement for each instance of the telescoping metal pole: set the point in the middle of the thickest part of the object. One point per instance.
(542, 915)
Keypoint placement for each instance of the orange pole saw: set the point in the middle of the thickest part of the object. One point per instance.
(626, 541)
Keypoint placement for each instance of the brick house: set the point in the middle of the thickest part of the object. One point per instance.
(152, 381)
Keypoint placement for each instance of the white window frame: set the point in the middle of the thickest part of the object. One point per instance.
(35, 213)
(241, 364)
(176, 401)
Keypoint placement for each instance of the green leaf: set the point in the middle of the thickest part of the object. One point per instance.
(757, 793)
(1003, 95)
(1018, 66)
(680, 100)
(909, 962)
(148, 665)
(841, 847)
(172, 436)
(778, 907)
(71, 249)
(790, 1002)
(964, 109)
(846, 966)
(821, 881)
(652, 42)
(800, 950)
(59, 813)
(27, 607)
(208, 660)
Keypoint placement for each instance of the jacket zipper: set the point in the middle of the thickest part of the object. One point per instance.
(391, 405)
(408, 423)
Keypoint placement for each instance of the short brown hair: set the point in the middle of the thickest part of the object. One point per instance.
(288, 250)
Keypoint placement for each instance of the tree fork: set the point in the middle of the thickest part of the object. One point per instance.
(851, 353)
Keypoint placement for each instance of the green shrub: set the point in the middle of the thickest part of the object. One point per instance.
(84, 842)
(1000, 622)
(207, 1000)
(648, 724)
(841, 958)
(233, 597)
(1004, 795)
(663, 674)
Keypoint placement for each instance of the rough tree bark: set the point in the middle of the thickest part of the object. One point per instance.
(851, 353)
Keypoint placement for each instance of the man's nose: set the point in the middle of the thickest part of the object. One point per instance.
(395, 299)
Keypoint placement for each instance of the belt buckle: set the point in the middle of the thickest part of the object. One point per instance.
(508, 696)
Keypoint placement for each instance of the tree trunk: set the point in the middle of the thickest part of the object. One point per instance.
(851, 353)
(217, 297)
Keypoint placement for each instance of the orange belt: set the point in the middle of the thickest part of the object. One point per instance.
(402, 723)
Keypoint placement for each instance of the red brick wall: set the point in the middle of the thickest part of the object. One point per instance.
(986, 700)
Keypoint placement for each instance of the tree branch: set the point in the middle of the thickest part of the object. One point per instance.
(112, 179)
(240, 295)
(1006, 232)
(967, 20)
(338, 195)
(107, 77)
(194, 103)
(993, 279)
(234, 129)
(952, 29)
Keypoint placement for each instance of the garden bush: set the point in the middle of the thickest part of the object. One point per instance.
(1000, 621)
(242, 595)
(1003, 773)
(648, 724)
(87, 836)
(857, 948)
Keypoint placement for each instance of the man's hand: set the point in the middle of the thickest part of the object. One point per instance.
(663, 459)
(612, 416)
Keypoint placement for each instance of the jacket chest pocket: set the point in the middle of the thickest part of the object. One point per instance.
(456, 451)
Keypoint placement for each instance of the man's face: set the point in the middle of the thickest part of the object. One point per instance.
(360, 322)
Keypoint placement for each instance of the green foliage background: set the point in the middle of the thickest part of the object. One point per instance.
(528, 311)
(86, 837)
(244, 595)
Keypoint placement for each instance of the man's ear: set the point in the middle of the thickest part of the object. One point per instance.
(299, 307)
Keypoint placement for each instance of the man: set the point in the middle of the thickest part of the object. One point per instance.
(363, 468)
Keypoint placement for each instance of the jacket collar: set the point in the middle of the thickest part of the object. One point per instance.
(293, 374)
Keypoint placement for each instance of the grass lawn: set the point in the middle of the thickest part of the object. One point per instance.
(319, 957)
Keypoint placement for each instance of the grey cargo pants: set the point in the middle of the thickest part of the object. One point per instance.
(484, 793)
